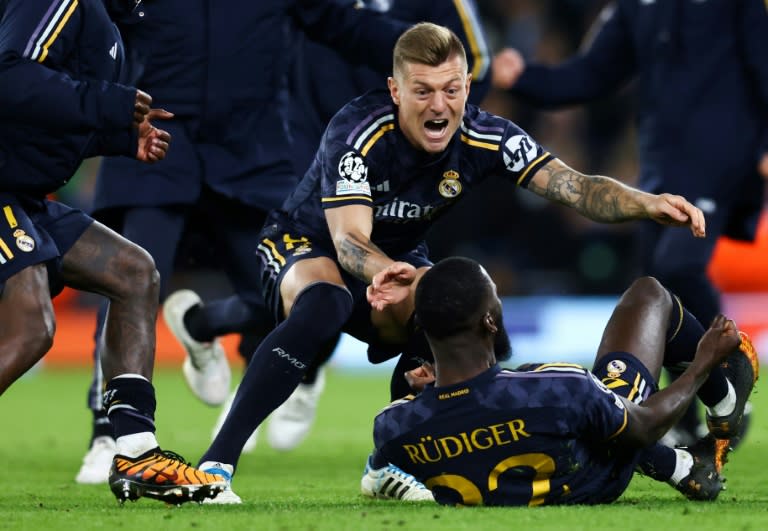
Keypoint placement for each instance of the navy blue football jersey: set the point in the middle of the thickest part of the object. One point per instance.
(364, 158)
(545, 436)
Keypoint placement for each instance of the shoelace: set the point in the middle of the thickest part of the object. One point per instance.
(176, 457)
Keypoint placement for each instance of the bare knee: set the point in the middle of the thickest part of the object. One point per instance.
(648, 290)
(137, 274)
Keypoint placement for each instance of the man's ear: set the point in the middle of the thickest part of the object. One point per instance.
(490, 323)
(394, 91)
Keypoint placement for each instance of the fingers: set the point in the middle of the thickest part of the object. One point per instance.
(159, 114)
(141, 106)
(685, 213)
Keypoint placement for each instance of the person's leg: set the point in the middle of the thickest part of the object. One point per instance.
(26, 323)
(139, 225)
(650, 326)
(103, 262)
(197, 325)
(310, 288)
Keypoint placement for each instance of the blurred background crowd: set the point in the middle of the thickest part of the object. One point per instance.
(531, 246)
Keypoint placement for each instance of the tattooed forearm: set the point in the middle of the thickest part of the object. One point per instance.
(355, 254)
(598, 198)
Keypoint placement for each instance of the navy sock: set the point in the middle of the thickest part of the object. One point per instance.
(658, 462)
(227, 316)
(683, 337)
(130, 404)
(279, 363)
(101, 425)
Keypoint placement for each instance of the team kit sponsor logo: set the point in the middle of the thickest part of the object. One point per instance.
(518, 152)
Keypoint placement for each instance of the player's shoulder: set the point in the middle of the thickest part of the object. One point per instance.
(362, 118)
(483, 129)
(399, 403)
(551, 367)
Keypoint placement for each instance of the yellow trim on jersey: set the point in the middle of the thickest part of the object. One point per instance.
(6, 249)
(621, 428)
(613, 383)
(56, 32)
(534, 163)
(480, 60)
(378, 134)
(344, 198)
(273, 248)
(483, 145)
(10, 218)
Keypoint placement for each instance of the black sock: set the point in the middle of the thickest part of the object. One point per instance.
(658, 462)
(322, 358)
(683, 337)
(227, 316)
(130, 404)
(279, 363)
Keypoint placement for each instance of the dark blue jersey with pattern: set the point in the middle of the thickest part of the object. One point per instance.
(544, 436)
(365, 159)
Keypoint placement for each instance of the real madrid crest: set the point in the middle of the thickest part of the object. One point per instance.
(23, 242)
(450, 186)
(615, 368)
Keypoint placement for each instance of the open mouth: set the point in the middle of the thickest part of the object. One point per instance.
(435, 128)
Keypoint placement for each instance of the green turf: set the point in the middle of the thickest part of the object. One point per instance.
(45, 429)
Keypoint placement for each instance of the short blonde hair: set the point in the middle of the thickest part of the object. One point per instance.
(426, 44)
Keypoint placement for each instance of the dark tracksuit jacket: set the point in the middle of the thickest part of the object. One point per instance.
(60, 102)
(220, 66)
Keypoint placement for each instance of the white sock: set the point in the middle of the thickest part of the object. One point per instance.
(683, 465)
(726, 405)
(135, 444)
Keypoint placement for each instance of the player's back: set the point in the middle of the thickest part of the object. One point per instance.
(512, 438)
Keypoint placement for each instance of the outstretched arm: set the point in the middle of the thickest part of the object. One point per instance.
(607, 200)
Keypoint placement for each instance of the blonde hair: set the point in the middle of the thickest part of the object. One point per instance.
(427, 44)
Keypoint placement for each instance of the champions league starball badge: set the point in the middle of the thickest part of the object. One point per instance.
(450, 186)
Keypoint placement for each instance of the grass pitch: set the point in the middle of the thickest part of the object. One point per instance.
(45, 427)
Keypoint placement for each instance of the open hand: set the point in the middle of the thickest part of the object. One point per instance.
(675, 210)
(153, 142)
(718, 341)
(391, 285)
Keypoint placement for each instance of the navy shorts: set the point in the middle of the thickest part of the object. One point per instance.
(280, 247)
(623, 374)
(35, 231)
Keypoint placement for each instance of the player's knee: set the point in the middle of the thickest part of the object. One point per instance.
(324, 307)
(648, 290)
(138, 274)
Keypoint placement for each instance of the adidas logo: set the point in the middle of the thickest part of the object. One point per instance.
(382, 187)
(113, 51)
(395, 488)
